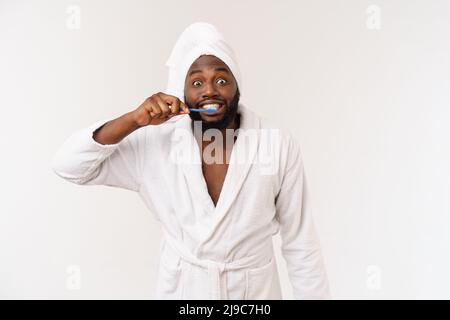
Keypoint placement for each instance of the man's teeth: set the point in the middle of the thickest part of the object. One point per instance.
(214, 106)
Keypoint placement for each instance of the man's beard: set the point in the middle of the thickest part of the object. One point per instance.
(227, 119)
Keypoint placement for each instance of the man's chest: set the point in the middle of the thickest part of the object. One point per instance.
(215, 167)
(214, 175)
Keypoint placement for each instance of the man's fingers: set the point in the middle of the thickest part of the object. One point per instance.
(172, 100)
(155, 111)
(163, 106)
(184, 107)
(175, 106)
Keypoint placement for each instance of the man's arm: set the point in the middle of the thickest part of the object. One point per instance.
(153, 111)
(113, 153)
(114, 131)
(83, 160)
(300, 244)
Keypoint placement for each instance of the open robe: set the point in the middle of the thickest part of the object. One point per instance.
(212, 252)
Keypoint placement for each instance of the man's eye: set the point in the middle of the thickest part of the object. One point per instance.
(221, 81)
(196, 83)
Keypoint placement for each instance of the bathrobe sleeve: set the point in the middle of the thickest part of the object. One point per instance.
(300, 244)
(84, 161)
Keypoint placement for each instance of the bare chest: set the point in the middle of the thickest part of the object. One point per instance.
(215, 169)
(214, 176)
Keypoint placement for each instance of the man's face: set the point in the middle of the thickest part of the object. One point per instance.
(210, 81)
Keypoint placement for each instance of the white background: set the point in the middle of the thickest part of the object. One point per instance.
(370, 108)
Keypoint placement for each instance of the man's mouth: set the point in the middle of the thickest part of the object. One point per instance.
(212, 106)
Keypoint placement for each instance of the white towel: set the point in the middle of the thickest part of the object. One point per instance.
(198, 39)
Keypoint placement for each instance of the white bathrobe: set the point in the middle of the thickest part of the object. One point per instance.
(212, 252)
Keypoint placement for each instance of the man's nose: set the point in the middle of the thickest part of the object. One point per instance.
(210, 90)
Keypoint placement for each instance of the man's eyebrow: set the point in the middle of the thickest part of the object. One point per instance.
(216, 69)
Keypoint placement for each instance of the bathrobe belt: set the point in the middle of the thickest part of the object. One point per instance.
(217, 283)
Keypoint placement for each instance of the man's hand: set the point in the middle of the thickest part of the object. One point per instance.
(157, 109)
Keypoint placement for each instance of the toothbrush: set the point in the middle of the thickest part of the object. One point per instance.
(210, 110)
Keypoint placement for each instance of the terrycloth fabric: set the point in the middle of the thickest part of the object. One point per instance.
(209, 251)
(197, 39)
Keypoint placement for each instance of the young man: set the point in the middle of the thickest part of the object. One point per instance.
(221, 183)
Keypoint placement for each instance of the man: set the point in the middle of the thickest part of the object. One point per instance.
(221, 183)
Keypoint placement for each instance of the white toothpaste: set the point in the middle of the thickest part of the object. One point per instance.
(214, 106)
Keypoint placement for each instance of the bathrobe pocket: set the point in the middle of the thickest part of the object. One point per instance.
(259, 282)
(169, 274)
